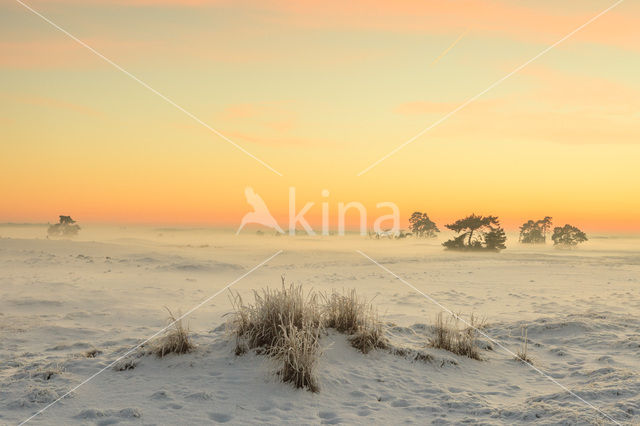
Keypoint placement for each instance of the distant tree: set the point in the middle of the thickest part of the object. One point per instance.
(402, 234)
(531, 233)
(477, 233)
(525, 230)
(545, 225)
(535, 232)
(568, 236)
(495, 239)
(456, 243)
(65, 227)
(422, 226)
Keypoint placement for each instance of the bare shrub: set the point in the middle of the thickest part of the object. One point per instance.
(451, 337)
(175, 340)
(298, 350)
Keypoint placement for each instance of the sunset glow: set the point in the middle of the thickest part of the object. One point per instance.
(319, 91)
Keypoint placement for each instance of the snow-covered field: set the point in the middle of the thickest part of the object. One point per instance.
(106, 291)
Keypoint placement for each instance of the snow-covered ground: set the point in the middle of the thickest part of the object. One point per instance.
(106, 291)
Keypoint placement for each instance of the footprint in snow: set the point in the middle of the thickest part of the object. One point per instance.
(329, 418)
(220, 417)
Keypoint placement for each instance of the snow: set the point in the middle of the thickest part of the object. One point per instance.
(104, 292)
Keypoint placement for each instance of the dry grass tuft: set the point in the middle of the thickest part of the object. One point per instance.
(343, 312)
(125, 364)
(347, 313)
(287, 324)
(92, 353)
(451, 337)
(522, 354)
(370, 334)
(424, 357)
(261, 324)
(298, 350)
(411, 354)
(175, 340)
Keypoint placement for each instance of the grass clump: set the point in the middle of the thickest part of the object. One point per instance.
(261, 324)
(92, 353)
(343, 312)
(297, 350)
(286, 324)
(411, 354)
(347, 313)
(370, 334)
(125, 364)
(175, 340)
(523, 354)
(451, 337)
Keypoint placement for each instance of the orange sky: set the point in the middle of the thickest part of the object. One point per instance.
(319, 91)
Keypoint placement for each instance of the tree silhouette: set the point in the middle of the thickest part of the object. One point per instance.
(422, 226)
(527, 231)
(476, 233)
(567, 236)
(456, 243)
(545, 225)
(66, 227)
(495, 239)
(535, 232)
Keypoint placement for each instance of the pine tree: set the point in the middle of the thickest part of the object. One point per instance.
(535, 232)
(422, 226)
(65, 227)
(568, 236)
(474, 231)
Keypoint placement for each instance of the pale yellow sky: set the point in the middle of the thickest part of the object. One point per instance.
(320, 90)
